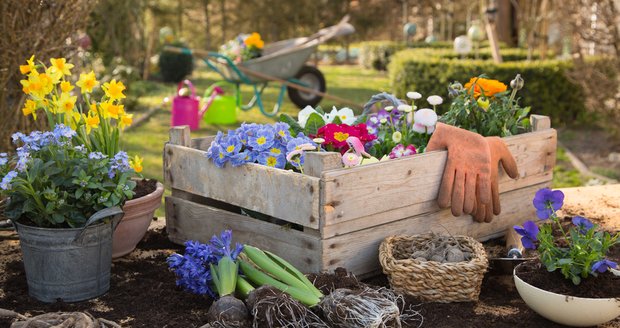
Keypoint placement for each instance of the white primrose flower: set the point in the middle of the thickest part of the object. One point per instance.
(414, 95)
(419, 128)
(345, 114)
(304, 114)
(434, 100)
(388, 108)
(383, 120)
(405, 108)
(426, 117)
(397, 136)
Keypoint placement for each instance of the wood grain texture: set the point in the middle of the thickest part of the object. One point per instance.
(283, 194)
(318, 162)
(180, 135)
(410, 183)
(358, 251)
(186, 220)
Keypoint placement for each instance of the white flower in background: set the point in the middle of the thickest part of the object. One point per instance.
(374, 120)
(414, 95)
(383, 120)
(345, 114)
(388, 108)
(419, 128)
(426, 117)
(434, 100)
(397, 136)
(304, 114)
(405, 108)
(318, 140)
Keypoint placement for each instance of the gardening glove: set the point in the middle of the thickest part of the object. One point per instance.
(467, 176)
(499, 155)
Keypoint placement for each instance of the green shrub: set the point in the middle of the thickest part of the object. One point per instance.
(174, 67)
(376, 54)
(547, 89)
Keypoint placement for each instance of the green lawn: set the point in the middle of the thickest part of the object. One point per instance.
(349, 82)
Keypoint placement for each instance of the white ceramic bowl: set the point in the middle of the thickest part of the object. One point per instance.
(568, 310)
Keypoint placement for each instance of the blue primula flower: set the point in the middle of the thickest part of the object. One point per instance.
(295, 143)
(547, 201)
(263, 139)
(282, 130)
(529, 233)
(583, 224)
(230, 145)
(269, 159)
(218, 155)
(603, 265)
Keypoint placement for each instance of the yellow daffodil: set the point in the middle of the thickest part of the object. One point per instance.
(65, 86)
(87, 82)
(61, 65)
(54, 73)
(125, 120)
(254, 40)
(72, 119)
(114, 90)
(37, 85)
(115, 111)
(136, 164)
(25, 69)
(93, 107)
(66, 102)
(30, 108)
(91, 121)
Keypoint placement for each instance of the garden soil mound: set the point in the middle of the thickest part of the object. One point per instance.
(143, 292)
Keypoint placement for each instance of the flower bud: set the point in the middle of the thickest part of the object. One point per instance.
(517, 83)
(454, 89)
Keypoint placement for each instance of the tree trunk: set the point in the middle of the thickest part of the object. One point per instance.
(224, 20)
(205, 5)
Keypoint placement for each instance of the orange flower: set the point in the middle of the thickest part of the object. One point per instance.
(486, 86)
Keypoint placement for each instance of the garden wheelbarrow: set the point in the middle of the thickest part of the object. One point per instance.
(283, 62)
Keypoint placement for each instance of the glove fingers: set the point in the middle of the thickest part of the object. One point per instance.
(479, 212)
(470, 193)
(501, 153)
(488, 214)
(445, 189)
(497, 208)
(510, 165)
(458, 193)
(483, 189)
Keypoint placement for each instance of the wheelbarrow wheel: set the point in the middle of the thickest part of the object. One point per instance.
(311, 78)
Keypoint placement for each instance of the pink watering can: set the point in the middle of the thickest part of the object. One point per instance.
(186, 109)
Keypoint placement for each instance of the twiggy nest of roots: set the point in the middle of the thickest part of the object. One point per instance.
(275, 309)
(443, 249)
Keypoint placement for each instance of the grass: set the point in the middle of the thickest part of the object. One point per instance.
(349, 82)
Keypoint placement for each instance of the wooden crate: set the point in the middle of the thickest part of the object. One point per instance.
(332, 217)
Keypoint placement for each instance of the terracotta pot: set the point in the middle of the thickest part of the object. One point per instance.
(138, 215)
(568, 310)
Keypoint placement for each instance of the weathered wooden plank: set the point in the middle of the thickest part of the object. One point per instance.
(540, 122)
(318, 162)
(283, 194)
(180, 135)
(351, 194)
(359, 251)
(186, 220)
(202, 143)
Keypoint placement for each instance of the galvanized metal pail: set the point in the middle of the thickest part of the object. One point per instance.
(69, 265)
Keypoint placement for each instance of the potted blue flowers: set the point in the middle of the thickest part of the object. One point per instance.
(64, 201)
(581, 290)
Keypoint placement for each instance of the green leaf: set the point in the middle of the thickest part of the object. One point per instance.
(360, 119)
(294, 127)
(314, 123)
(319, 110)
(337, 120)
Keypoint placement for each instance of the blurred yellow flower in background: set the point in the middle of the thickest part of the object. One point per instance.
(61, 65)
(486, 86)
(136, 164)
(254, 40)
(25, 69)
(30, 108)
(114, 90)
(87, 82)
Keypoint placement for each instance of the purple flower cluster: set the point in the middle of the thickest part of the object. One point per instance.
(547, 201)
(119, 164)
(254, 143)
(5, 184)
(375, 120)
(192, 268)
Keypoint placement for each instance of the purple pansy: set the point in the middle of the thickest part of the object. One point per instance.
(547, 201)
(603, 265)
(583, 224)
(529, 233)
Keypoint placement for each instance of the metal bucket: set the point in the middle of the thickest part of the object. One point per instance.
(69, 265)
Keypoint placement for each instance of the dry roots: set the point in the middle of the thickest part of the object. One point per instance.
(58, 320)
(443, 249)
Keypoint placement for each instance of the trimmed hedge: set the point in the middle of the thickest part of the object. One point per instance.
(376, 54)
(547, 90)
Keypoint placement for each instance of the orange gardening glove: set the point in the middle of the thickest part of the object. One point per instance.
(499, 155)
(467, 176)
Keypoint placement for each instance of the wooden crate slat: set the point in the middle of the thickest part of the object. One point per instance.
(374, 189)
(186, 220)
(282, 194)
(358, 251)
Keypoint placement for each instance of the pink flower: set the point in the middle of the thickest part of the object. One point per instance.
(400, 151)
(351, 159)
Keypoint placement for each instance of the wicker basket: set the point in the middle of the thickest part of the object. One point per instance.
(429, 280)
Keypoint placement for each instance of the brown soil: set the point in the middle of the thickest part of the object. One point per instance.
(605, 285)
(143, 294)
(144, 187)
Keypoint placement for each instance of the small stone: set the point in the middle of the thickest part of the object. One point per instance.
(437, 258)
(455, 255)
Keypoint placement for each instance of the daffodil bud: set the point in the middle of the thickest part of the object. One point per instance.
(517, 83)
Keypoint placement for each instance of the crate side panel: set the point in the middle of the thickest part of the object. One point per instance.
(282, 194)
(358, 251)
(410, 182)
(186, 220)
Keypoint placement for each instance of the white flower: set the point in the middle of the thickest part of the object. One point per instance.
(430, 129)
(374, 120)
(404, 108)
(388, 108)
(304, 114)
(318, 140)
(419, 128)
(346, 115)
(329, 117)
(434, 100)
(425, 116)
(413, 95)
(383, 120)
(397, 136)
